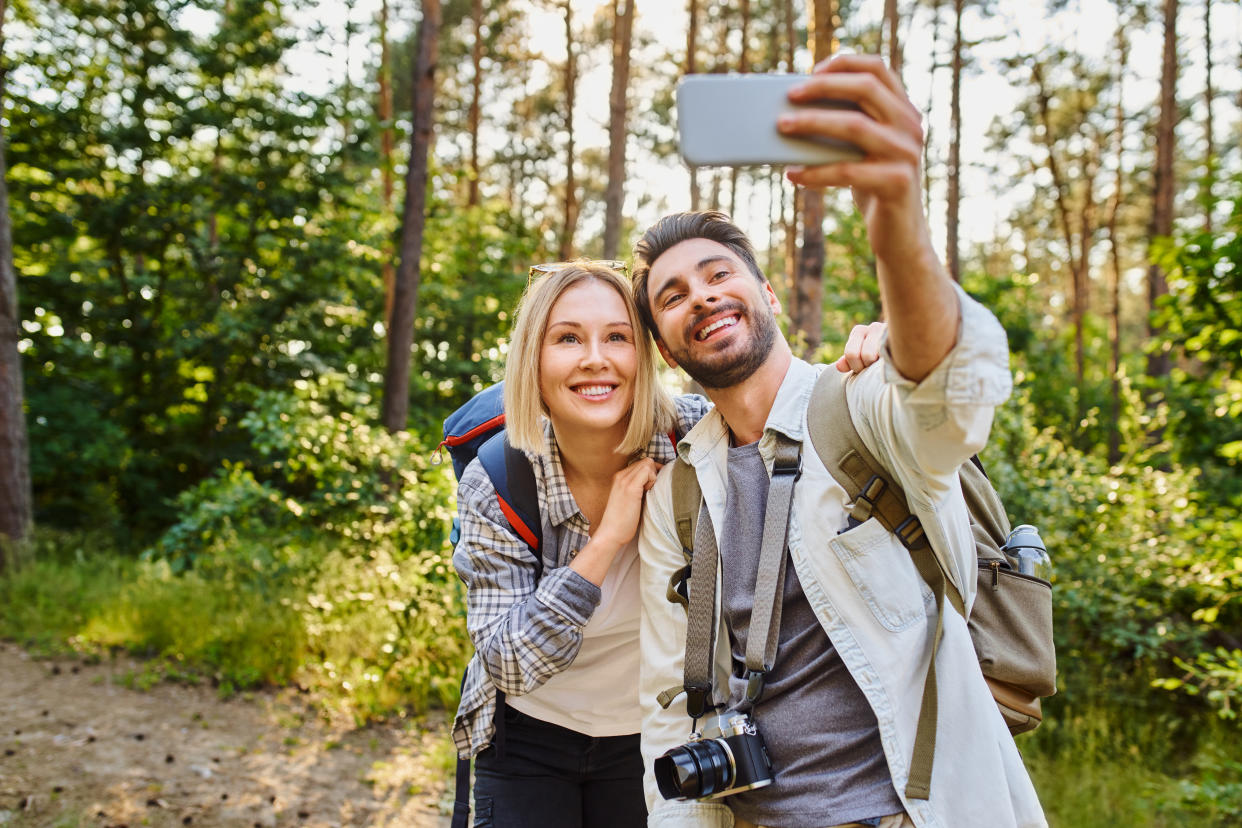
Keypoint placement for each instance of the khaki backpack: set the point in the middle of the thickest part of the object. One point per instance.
(1011, 620)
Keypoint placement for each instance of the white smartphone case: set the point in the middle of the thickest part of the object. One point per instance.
(730, 120)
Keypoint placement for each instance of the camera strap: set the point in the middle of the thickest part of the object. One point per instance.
(764, 634)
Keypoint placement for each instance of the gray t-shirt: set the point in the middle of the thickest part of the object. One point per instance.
(821, 734)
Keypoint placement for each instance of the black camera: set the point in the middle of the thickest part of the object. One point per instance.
(727, 757)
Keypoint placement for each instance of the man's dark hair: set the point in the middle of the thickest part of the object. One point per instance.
(674, 229)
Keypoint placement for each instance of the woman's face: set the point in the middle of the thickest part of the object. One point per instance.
(588, 360)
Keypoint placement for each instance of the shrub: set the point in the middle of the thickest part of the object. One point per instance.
(326, 563)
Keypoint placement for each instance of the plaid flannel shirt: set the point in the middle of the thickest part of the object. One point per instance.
(525, 631)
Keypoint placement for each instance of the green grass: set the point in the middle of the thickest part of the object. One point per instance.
(98, 603)
(370, 634)
(1095, 767)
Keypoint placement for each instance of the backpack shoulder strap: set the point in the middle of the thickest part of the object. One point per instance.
(875, 494)
(687, 501)
(514, 480)
(843, 453)
(988, 519)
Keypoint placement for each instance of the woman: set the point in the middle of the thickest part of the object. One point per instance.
(582, 400)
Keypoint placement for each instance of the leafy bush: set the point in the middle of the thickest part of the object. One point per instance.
(326, 564)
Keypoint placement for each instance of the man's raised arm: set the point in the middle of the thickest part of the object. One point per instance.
(920, 303)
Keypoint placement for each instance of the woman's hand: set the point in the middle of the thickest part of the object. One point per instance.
(862, 348)
(619, 523)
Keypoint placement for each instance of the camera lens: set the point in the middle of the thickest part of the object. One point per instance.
(695, 770)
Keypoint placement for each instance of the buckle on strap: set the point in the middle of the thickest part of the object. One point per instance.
(696, 700)
(910, 533)
(754, 685)
(873, 489)
(868, 499)
(787, 463)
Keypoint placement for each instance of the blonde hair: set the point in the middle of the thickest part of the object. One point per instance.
(653, 410)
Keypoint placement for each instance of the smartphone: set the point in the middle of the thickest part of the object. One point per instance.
(730, 120)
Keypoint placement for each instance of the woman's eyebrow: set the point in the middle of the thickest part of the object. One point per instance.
(574, 323)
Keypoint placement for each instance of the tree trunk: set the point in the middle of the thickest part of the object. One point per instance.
(891, 19)
(743, 66)
(1209, 95)
(954, 195)
(15, 498)
(692, 45)
(931, 91)
(809, 292)
(405, 293)
(387, 272)
(614, 197)
(1079, 255)
(570, 219)
(790, 220)
(1114, 314)
(476, 91)
(1162, 206)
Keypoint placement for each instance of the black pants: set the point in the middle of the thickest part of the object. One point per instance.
(552, 777)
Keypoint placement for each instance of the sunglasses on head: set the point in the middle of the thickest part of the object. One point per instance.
(539, 270)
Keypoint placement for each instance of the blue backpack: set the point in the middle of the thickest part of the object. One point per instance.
(477, 429)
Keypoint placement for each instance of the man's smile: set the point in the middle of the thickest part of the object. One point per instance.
(719, 324)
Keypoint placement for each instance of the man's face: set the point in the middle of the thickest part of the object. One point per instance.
(712, 316)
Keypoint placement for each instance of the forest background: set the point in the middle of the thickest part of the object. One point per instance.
(236, 305)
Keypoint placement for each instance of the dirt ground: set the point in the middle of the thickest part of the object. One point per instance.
(78, 749)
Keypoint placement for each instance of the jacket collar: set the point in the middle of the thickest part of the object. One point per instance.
(787, 416)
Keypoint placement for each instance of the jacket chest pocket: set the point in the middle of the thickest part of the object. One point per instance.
(883, 575)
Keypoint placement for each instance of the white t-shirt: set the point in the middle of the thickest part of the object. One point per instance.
(598, 693)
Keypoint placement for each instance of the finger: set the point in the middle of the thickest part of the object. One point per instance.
(877, 140)
(858, 335)
(872, 342)
(871, 64)
(852, 352)
(842, 366)
(877, 98)
(880, 178)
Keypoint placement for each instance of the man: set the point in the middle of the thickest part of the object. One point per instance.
(839, 708)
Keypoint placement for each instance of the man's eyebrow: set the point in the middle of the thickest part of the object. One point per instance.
(711, 260)
(702, 264)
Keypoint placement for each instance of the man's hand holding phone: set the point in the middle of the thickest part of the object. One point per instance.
(888, 129)
(918, 297)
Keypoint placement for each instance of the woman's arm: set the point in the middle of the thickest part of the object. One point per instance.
(525, 629)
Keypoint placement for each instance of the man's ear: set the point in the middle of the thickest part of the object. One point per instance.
(773, 302)
(664, 352)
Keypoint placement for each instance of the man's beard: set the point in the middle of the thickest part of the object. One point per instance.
(726, 371)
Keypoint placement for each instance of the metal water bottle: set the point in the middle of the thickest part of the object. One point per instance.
(1025, 544)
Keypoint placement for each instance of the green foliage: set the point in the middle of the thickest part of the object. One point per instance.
(353, 521)
(1102, 779)
(1201, 320)
(79, 594)
(180, 242)
(324, 563)
(478, 260)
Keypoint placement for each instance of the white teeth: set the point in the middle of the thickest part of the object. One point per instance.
(594, 390)
(715, 326)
